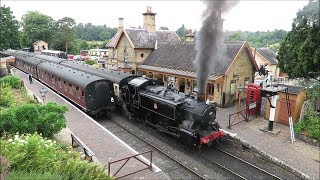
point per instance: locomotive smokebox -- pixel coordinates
(201, 97)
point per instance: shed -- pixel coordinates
(297, 97)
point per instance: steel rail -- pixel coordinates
(153, 146)
(246, 162)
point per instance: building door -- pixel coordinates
(283, 116)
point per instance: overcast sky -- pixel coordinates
(251, 15)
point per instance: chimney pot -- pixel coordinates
(120, 24)
(149, 21)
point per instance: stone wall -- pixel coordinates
(240, 70)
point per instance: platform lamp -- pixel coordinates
(43, 93)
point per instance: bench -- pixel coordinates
(76, 142)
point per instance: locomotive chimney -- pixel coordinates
(201, 97)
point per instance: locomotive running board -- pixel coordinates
(228, 133)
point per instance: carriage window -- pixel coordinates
(70, 88)
(82, 94)
(77, 92)
(65, 85)
(115, 90)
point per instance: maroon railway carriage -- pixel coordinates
(92, 93)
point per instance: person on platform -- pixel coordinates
(30, 78)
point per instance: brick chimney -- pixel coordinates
(190, 36)
(149, 20)
(120, 24)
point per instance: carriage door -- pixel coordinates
(135, 97)
(102, 90)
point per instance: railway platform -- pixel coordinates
(105, 145)
(299, 157)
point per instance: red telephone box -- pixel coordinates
(253, 101)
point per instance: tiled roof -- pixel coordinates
(268, 54)
(292, 89)
(181, 56)
(114, 40)
(174, 71)
(141, 38)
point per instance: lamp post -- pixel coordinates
(43, 93)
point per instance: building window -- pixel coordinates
(246, 81)
(142, 54)
(218, 87)
(233, 87)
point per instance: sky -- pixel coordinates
(247, 15)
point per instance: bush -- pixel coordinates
(6, 98)
(310, 122)
(32, 153)
(309, 125)
(34, 175)
(30, 118)
(13, 81)
(90, 62)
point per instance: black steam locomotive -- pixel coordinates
(187, 118)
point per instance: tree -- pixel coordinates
(36, 26)
(64, 36)
(299, 53)
(182, 32)
(164, 28)
(9, 29)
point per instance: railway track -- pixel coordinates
(228, 162)
(195, 175)
(268, 174)
(235, 165)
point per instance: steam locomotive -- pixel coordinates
(187, 118)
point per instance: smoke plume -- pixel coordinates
(210, 44)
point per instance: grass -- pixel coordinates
(34, 175)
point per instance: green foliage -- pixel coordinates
(64, 36)
(299, 53)
(13, 81)
(36, 26)
(257, 39)
(34, 175)
(26, 97)
(9, 29)
(310, 122)
(182, 32)
(90, 62)
(163, 28)
(30, 118)
(32, 153)
(6, 97)
(90, 32)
